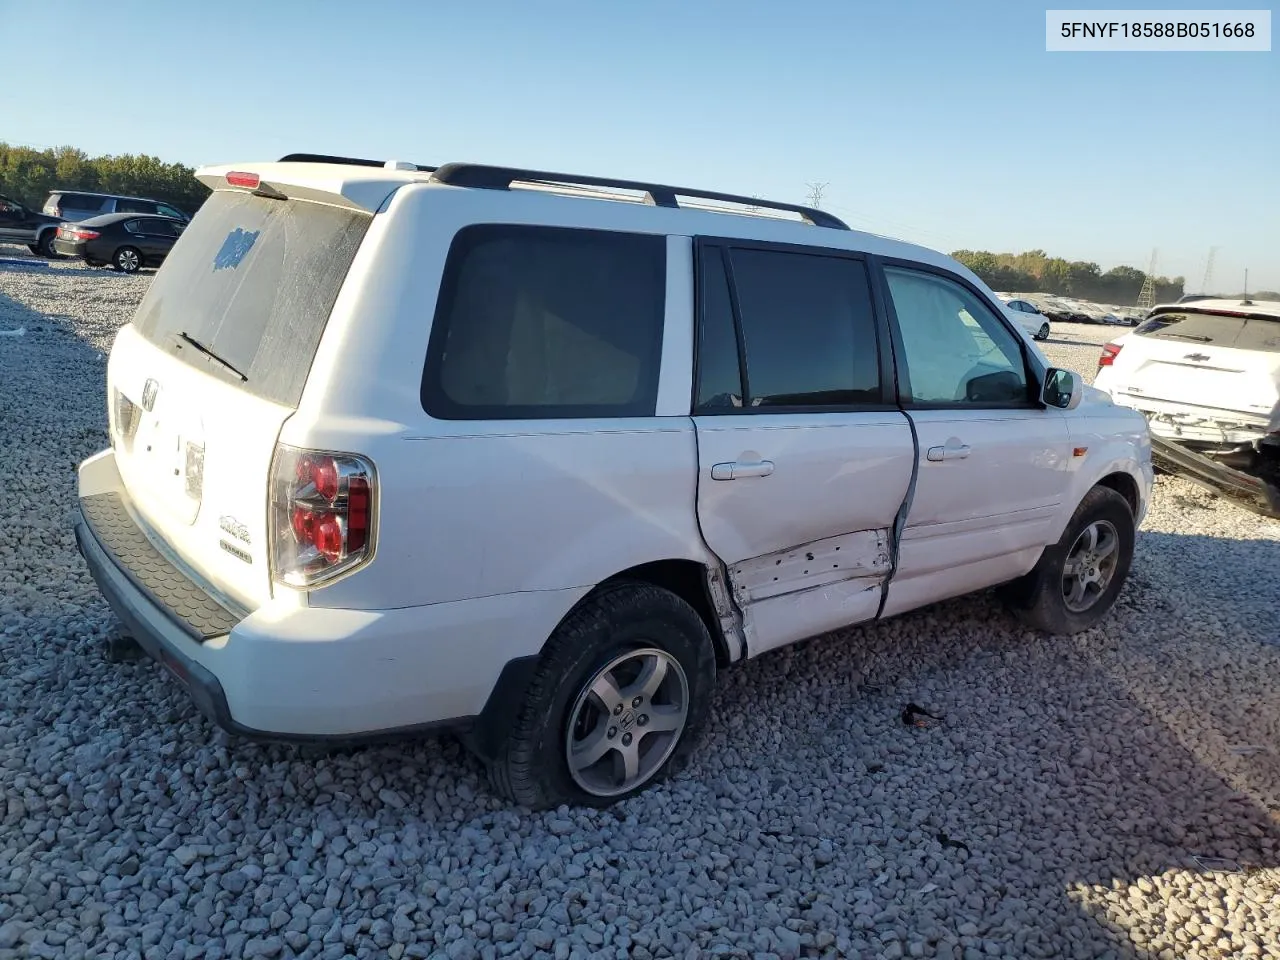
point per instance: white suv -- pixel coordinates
(534, 456)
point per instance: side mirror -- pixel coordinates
(1062, 389)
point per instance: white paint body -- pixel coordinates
(1203, 393)
(488, 532)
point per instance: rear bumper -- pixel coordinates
(1241, 488)
(151, 625)
(292, 672)
(68, 248)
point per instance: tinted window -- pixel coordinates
(808, 329)
(79, 201)
(165, 210)
(539, 322)
(158, 228)
(956, 349)
(1213, 329)
(135, 226)
(135, 206)
(719, 373)
(254, 280)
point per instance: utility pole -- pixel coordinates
(815, 194)
(1246, 282)
(1208, 271)
(1147, 298)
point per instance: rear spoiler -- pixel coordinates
(1243, 489)
(354, 186)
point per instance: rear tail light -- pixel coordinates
(322, 515)
(1109, 354)
(77, 233)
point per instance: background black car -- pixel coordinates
(19, 224)
(125, 240)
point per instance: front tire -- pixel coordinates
(1077, 580)
(615, 704)
(1043, 333)
(127, 260)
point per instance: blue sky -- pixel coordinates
(940, 122)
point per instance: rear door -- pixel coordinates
(213, 363)
(804, 461)
(1196, 373)
(156, 238)
(993, 462)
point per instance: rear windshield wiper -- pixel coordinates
(1183, 336)
(213, 356)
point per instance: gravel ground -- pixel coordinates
(1055, 811)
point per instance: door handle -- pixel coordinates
(952, 451)
(738, 469)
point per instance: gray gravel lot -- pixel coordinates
(1054, 812)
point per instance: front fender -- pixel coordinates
(1110, 441)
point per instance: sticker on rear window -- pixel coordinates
(237, 244)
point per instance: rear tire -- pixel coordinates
(1077, 580)
(127, 260)
(625, 679)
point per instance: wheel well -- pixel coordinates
(1124, 485)
(687, 579)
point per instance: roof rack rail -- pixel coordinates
(486, 177)
(350, 161)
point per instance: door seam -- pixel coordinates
(900, 520)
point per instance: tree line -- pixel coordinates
(1037, 272)
(28, 175)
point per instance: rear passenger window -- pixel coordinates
(808, 329)
(135, 206)
(541, 322)
(78, 201)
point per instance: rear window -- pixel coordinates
(1215, 329)
(254, 280)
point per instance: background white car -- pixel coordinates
(1028, 316)
(1207, 377)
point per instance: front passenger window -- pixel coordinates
(957, 351)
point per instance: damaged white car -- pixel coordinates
(1206, 374)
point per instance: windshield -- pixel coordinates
(1215, 329)
(252, 280)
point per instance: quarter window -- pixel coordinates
(957, 351)
(540, 322)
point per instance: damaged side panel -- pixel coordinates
(810, 589)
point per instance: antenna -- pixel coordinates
(1147, 298)
(1208, 271)
(815, 194)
